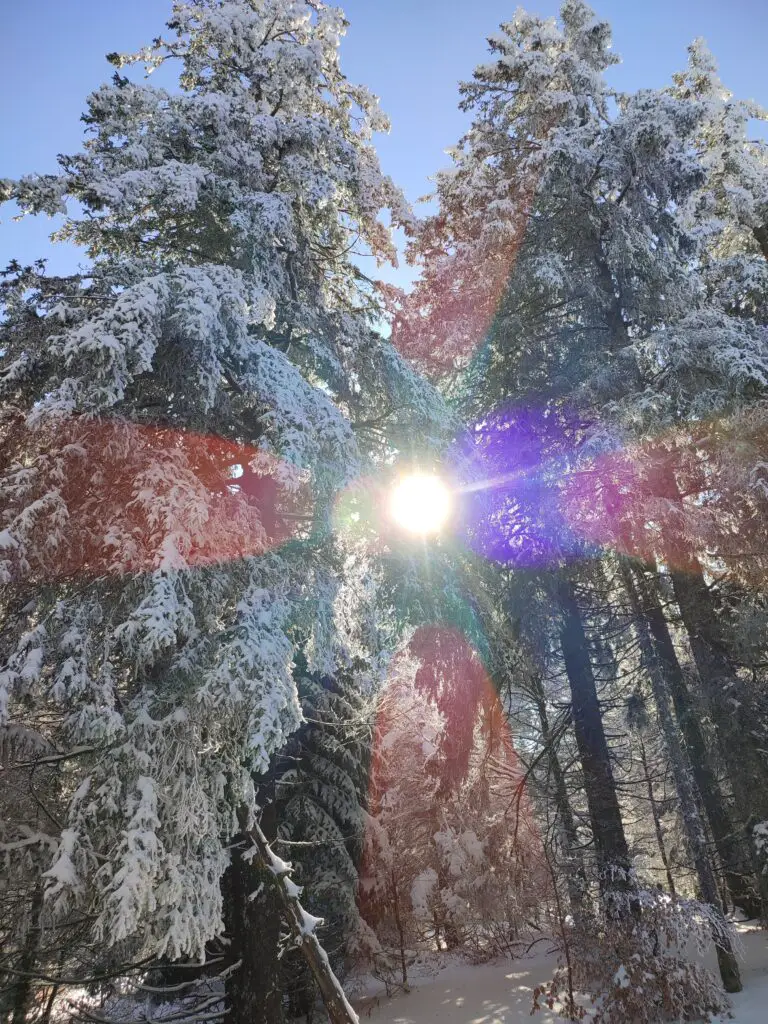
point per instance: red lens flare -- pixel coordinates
(675, 497)
(447, 316)
(450, 834)
(108, 496)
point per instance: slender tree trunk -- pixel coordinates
(24, 987)
(600, 789)
(576, 874)
(45, 1019)
(656, 818)
(55, 989)
(400, 931)
(569, 1009)
(301, 927)
(736, 866)
(692, 824)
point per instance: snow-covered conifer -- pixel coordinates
(177, 421)
(564, 278)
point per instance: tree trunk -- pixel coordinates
(302, 927)
(735, 865)
(602, 802)
(23, 988)
(734, 724)
(576, 874)
(723, 690)
(761, 236)
(689, 809)
(400, 932)
(656, 818)
(54, 991)
(253, 991)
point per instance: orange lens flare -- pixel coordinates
(109, 496)
(677, 495)
(446, 318)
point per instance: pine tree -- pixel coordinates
(321, 796)
(538, 114)
(731, 201)
(177, 420)
(691, 817)
(593, 321)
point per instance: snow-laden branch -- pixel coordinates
(303, 926)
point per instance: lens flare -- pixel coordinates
(134, 498)
(420, 503)
(447, 791)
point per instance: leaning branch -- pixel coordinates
(302, 926)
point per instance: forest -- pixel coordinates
(349, 630)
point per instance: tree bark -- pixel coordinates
(253, 991)
(600, 789)
(656, 818)
(24, 986)
(302, 928)
(747, 768)
(761, 236)
(576, 874)
(736, 867)
(745, 762)
(689, 809)
(723, 690)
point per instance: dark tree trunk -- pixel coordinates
(693, 826)
(602, 802)
(253, 991)
(576, 874)
(724, 692)
(23, 990)
(746, 764)
(301, 927)
(761, 236)
(730, 851)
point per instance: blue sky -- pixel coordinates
(410, 52)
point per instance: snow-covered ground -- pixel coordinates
(500, 993)
(751, 1005)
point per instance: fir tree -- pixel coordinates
(176, 423)
(594, 295)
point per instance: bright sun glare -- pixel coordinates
(420, 503)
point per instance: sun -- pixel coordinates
(420, 503)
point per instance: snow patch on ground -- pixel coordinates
(751, 1005)
(501, 992)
